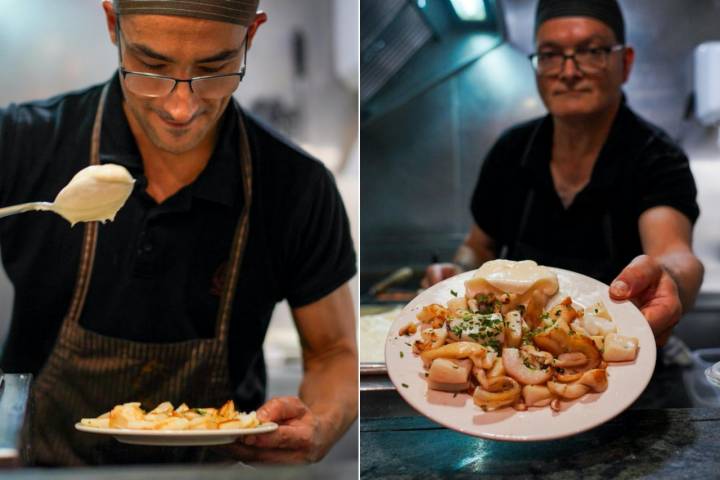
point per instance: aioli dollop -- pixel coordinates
(95, 193)
(512, 277)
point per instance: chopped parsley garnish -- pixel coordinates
(404, 385)
(402, 354)
(453, 293)
(477, 326)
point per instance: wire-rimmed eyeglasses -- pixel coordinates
(587, 60)
(206, 86)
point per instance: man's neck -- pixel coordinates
(167, 172)
(576, 146)
(575, 139)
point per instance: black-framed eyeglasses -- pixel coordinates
(207, 86)
(587, 60)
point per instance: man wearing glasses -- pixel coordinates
(172, 300)
(591, 187)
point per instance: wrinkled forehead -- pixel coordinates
(181, 40)
(573, 31)
(238, 12)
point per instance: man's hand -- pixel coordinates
(298, 439)
(654, 291)
(476, 249)
(438, 272)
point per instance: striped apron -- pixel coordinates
(87, 373)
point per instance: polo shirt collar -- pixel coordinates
(219, 182)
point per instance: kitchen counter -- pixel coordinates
(340, 471)
(652, 444)
(669, 432)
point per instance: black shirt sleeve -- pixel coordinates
(665, 179)
(6, 133)
(321, 256)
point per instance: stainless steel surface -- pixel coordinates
(398, 276)
(13, 405)
(338, 470)
(375, 383)
(423, 155)
(373, 368)
(392, 31)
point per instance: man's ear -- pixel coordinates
(111, 20)
(628, 61)
(260, 18)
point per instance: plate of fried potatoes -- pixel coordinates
(170, 426)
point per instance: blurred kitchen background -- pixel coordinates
(302, 78)
(440, 81)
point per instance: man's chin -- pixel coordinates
(176, 141)
(574, 110)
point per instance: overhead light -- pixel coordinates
(422, 3)
(470, 10)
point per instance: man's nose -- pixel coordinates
(569, 68)
(182, 104)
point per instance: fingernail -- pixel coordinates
(620, 288)
(250, 440)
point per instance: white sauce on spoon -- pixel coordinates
(95, 193)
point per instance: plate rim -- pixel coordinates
(267, 427)
(412, 400)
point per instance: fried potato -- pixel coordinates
(166, 417)
(96, 422)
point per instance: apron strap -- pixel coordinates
(87, 255)
(507, 249)
(222, 324)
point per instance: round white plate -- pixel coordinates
(626, 381)
(178, 438)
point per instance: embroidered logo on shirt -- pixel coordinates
(218, 280)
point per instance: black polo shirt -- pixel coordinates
(515, 201)
(159, 267)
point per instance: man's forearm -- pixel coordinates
(466, 258)
(687, 271)
(469, 258)
(330, 389)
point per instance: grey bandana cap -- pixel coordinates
(606, 11)
(241, 12)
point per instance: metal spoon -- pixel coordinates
(25, 207)
(95, 193)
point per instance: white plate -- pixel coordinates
(177, 438)
(626, 381)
